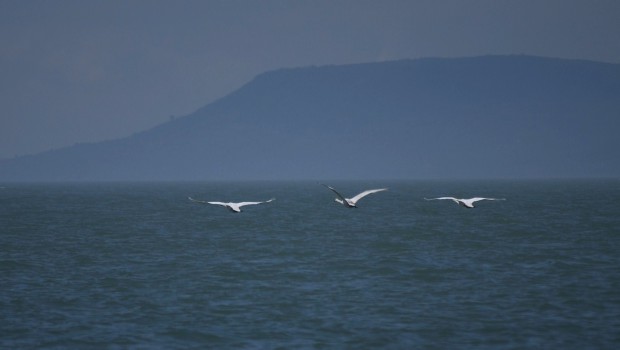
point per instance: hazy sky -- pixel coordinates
(84, 71)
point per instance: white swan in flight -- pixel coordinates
(234, 207)
(467, 203)
(352, 202)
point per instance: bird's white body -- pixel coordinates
(234, 207)
(467, 203)
(352, 202)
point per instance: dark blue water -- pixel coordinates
(138, 266)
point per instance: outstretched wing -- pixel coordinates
(205, 202)
(432, 199)
(475, 199)
(469, 203)
(254, 203)
(336, 192)
(197, 201)
(365, 193)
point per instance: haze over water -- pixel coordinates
(128, 265)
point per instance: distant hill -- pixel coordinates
(479, 117)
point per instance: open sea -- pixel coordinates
(139, 266)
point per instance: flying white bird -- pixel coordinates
(352, 202)
(234, 207)
(467, 203)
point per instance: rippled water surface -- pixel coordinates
(112, 265)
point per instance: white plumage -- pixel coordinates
(235, 207)
(467, 203)
(352, 202)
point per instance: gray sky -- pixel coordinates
(85, 71)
